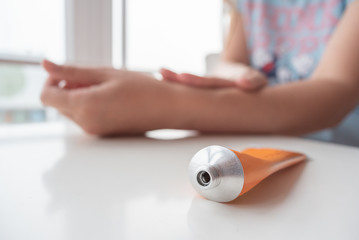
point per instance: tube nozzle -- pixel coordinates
(203, 178)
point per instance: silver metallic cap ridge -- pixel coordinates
(216, 173)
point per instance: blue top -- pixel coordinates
(286, 40)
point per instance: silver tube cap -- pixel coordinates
(216, 173)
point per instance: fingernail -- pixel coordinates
(243, 81)
(182, 78)
(52, 66)
(251, 81)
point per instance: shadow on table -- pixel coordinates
(212, 220)
(272, 190)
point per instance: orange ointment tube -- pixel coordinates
(221, 174)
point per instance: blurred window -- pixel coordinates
(178, 34)
(30, 30)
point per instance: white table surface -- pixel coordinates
(72, 186)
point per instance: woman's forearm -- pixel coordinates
(295, 108)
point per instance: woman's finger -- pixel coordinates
(73, 75)
(194, 80)
(169, 75)
(53, 99)
(56, 97)
(251, 81)
(209, 82)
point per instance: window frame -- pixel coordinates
(80, 47)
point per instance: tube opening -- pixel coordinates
(203, 178)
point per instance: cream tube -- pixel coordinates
(221, 174)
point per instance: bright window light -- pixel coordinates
(176, 34)
(33, 28)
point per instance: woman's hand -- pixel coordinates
(108, 101)
(227, 75)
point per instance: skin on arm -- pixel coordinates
(112, 102)
(117, 101)
(301, 107)
(235, 47)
